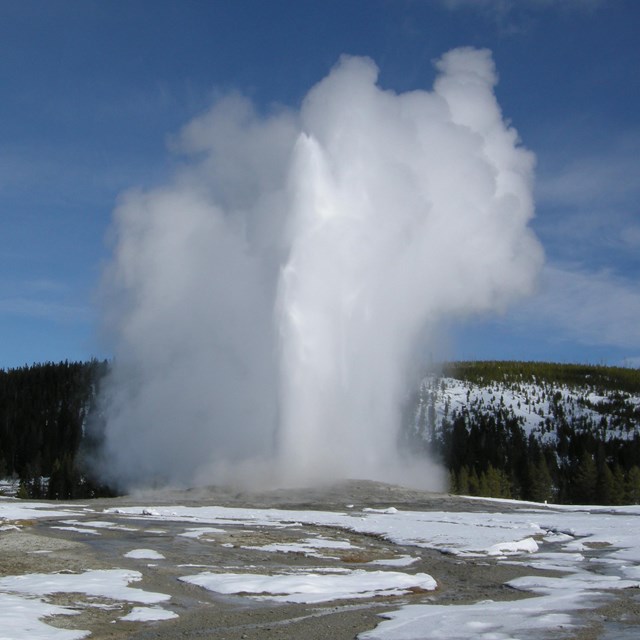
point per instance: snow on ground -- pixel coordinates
(578, 589)
(531, 403)
(148, 614)
(198, 532)
(20, 619)
(9, 486)
(528, 545)
(104, 583)
(314, 586)
(458, 533)
(309, 547)
(99, 524)
(144, 554)
(12, 510)
(21, 611)
(554, 538)
(488, 620)
(519, 535)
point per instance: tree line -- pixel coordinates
(574, 456)
(489, 456)
(44, 409)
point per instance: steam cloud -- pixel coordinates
(266, 304)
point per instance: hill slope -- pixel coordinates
(538, 431)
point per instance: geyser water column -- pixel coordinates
(405, 209)
(322, 246)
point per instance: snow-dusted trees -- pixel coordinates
(585, 448)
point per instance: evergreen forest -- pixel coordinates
(531, 431)
(44, 410)
(534, 431)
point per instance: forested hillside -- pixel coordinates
(536, 431)
(43, 414)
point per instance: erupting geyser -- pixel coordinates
(266, 304)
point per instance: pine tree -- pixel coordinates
(632, 493)
(463, 481)
(23, 490)
(585, 480)
(453, 482)
(474, 483)
(540, 481)
(605, 485)
(618, 496)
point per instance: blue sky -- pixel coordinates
(93, 91)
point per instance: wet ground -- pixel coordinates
(39, 546)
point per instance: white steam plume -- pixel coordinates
(266, 304)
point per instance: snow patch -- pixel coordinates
(105, 583)
(528, 545)
(314, 586)
(148, 614)
(144, 554)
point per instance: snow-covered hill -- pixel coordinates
(534, 431)
(537, 406)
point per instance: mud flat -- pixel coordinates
(319, 563)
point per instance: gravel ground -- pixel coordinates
(38, 547)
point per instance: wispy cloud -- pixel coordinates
(589, 205)
(33, 308)
(597, 308)
(512, 17)
(608, 175)
(48, 176)
(42, 298)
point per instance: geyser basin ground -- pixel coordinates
(321, 563)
